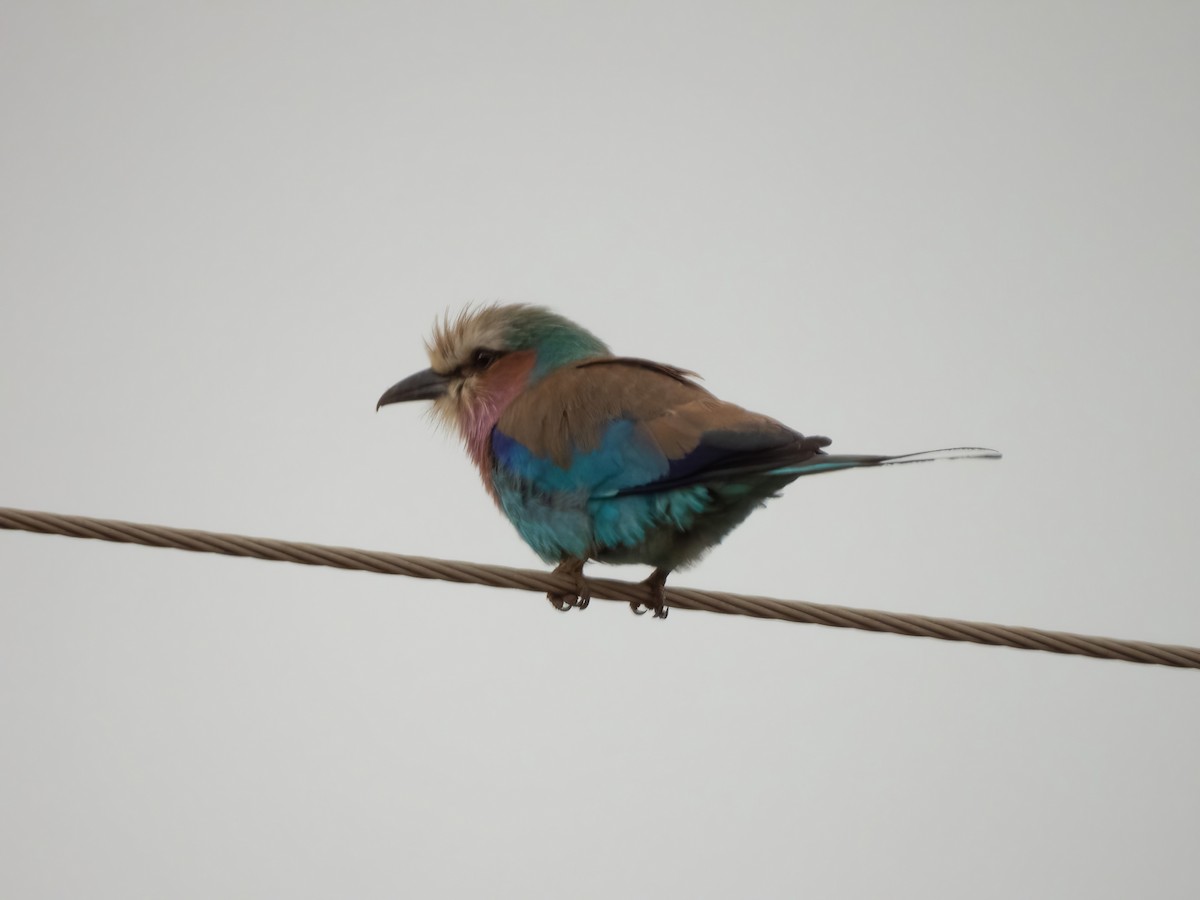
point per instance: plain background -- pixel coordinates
(226, 228)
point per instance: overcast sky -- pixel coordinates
(225, 229)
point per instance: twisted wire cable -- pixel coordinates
(601, 588)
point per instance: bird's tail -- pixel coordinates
(832, 462)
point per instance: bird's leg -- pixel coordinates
(657, 582)
(582, 595)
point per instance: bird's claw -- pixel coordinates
(563, 602)
(582, 595)
(640, 609)
(658, 592)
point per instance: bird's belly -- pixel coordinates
(676, 538)
(668, 529)
(556, 524)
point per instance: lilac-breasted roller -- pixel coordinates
(596, 456)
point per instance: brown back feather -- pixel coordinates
(569, 409)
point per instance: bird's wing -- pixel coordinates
(617, 426)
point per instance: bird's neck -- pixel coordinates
(476, 418)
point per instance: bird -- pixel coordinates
(617, 459)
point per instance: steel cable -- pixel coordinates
(601, 588)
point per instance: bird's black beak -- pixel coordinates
(426, 385)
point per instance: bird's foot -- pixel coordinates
(657, 583)
(582, 595)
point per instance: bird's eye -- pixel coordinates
(482, 358)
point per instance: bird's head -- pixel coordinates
(481, 359)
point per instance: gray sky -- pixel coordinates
(226, 228)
